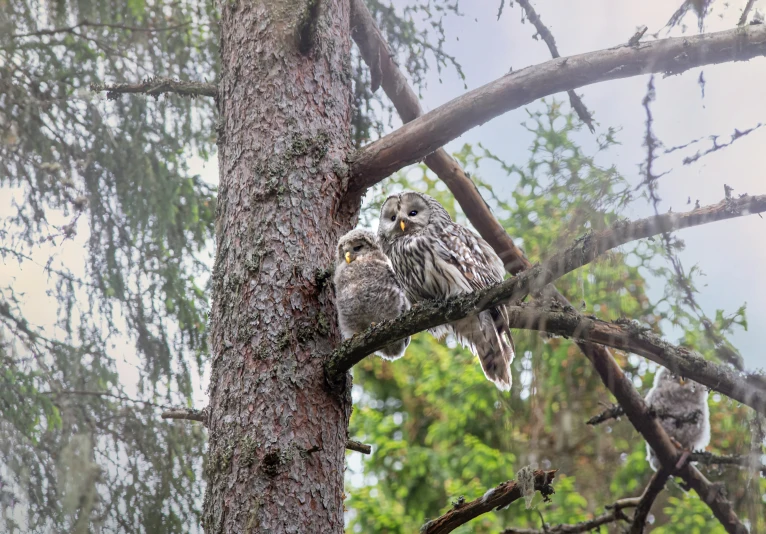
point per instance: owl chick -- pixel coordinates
(435, 258)
(676, 396)
(366, 289)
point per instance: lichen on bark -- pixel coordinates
(284, 121)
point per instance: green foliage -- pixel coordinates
(75, 453)
(440, 430)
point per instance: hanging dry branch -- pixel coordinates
(576, 528)
(422, 136)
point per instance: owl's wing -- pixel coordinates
(480, 266)
(471, 255)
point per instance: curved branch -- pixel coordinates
(157, 86)
(498, 497)
(655, 487)
(416, 139)
(429, 314)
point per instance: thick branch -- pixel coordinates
(498, 497)
(415, 140)
(156, 87)
(747, 388)
(429, 314)
(190, 414)
(545, 34)
(576, 528)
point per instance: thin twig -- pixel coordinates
(576, 528)
(546, 35)
(87, 24)
(745, 12)
(497, 497)
(103, 394)
(613, 412)
(157, 86)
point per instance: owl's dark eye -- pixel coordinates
(358, 248)
(413, 213)
(393, 217)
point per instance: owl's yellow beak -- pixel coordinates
(348, 257)
(401, 225)
(681, 380)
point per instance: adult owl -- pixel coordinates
(366, 289)
(435, 258)
(675, 396)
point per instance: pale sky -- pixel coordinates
(730, 253)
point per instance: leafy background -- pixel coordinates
(106, 231)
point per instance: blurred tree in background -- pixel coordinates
(82, 446)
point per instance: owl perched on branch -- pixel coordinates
(436, 258)
(676, 401)
(366, 289)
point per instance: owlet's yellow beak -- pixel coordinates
(681, 380)
(348, 257)
(401, 224)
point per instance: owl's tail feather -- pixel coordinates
(395, 350)
(488, 336)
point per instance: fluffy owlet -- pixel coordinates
(366, 289)
(673, 395)
(436, 258)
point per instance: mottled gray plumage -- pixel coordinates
(366, 289)
(673, 395)
(434, 258)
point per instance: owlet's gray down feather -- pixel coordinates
(675, 396)
(435, 258)
(366, 289)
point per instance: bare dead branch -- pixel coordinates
(545, 34)
(415, 140)
(745, 12)
(200, 416)
(358, 447)
(576, 528)
(157, 86)
(613, 412)
(185, 414)
(497, 497)
(429, 314)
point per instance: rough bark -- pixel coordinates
(277, 436)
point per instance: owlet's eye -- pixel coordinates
(393, 217)
(413, 213)
(358, 248)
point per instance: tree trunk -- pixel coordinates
(277, 434)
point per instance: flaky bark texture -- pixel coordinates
(277, 435)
